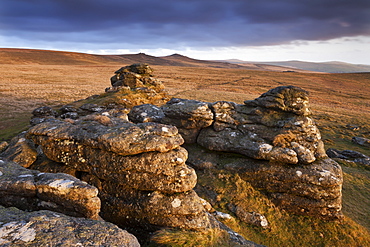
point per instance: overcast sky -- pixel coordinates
(251, 30)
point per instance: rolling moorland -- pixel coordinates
(31, 78)
(327, 67)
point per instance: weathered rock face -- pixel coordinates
(123, 139)
(139, 169)
(285, 98)
(33, 190)
(274, 127)
(135, 76)
(138, 208)
(308, 190)
(189, 116)
(21, 151)
(146, 113)
(314, 189)
(47, 228)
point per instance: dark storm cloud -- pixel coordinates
(170, 23)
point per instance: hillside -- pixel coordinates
(46, 57)
(327, 67)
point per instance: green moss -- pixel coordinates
(13, 125)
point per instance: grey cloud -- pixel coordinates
(169, 23)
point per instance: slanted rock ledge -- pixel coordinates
(33, 190)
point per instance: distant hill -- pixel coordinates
(47, 57)
(327, 67)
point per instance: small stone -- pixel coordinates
(361, 141)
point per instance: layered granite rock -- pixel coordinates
(20, 150)
(135, 76)
(314, 189)
(286, 155)
(139, 169)
(274, 127)
(47, 228)
(189, 116)
(32, 190)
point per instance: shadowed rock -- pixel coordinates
(20, 150)
(46, 228)
(33, 190)
(145, 113)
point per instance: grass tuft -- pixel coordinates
(181, 238)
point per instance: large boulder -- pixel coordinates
(47, 228)
(33, 190)
(136, 76)
(284, 98)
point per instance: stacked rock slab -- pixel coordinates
(46, 228)
(139, 169)
(135, 76)
(189, 116)
(287, 155)
(32, 190)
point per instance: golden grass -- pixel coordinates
(181, 238)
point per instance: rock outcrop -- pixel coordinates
(313, 190)
(274, 127)
(139, 169)
(20, 150)
(47, 228)
(128, 144)
(32, 190)
(275, 130)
